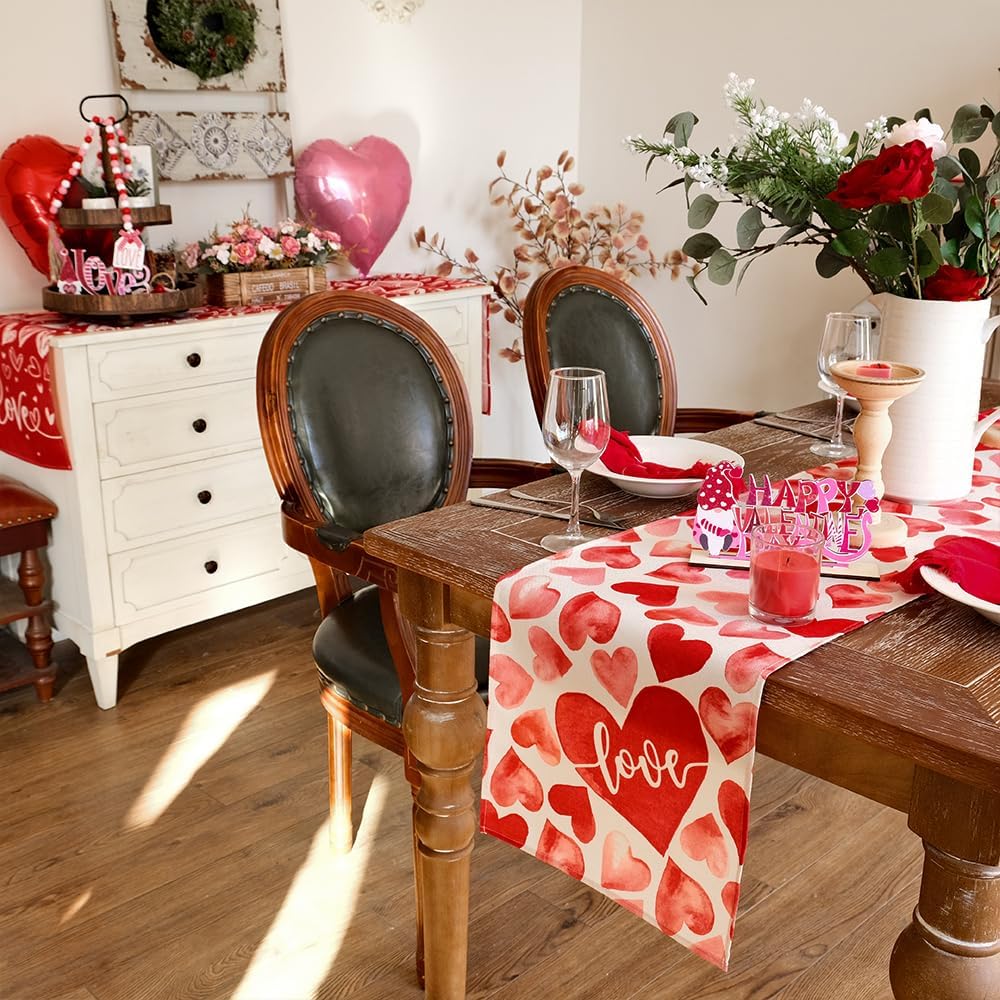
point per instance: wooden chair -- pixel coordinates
(24, 528)
(365, 419)
(584, 318)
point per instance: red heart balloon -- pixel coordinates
(30, 171)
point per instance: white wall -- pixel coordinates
(451, 88)
(644, 60)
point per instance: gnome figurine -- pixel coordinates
(714, 525)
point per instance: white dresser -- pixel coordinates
(169, 515)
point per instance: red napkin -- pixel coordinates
(972, 563)
(622, 457)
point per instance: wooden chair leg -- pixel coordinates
(38, 635)
(417, 880)
(341, 819)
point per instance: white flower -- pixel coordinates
(222, 253)
(288, 228)
(274, 251)
(265, 246)
(737, 90)
(931, 135)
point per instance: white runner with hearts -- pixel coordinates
(624, 690)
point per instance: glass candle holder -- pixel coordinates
(784, 573)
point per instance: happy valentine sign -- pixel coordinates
(731, 505)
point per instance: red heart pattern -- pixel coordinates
(617, 672)
(625, 686)
(655, 810)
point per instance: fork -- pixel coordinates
(596, 515)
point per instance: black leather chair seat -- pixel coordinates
(353, 657)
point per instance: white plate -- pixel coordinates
(936, 579)
(675, 451)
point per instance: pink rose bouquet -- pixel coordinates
(248, 246)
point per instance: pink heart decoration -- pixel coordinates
(617, 672)
(532, 729)
(532, 597)
(733, 727)
(513, 781)
(512, 828)
(588, 615)
(702, 840)
(574, 802)
(550, 662)
(358, 191)
(674, 656)
(513, 682)
(560, 851)
(850, 595)
(681, 901)
(620, 868)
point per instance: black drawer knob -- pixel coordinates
(194, 360)
(200, 426)
(211, 566)
(205, 496)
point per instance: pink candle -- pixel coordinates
(784, 573)
(875, 369)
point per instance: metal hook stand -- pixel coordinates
(94, 97)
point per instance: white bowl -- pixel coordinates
(936, 579)
(675, 451)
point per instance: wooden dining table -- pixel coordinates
(904, 711)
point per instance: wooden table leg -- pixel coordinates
(444, 724)
(38, 635)
(951, 951)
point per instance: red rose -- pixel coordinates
(898, 173)
(954, 284)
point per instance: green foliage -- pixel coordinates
(969, 161)
(701, 211)
(829, 262)
(701, 246)
(968, 124)
(749, 228)
(721, 266)
(208, 37)
(936, 209)
(887, 263)
(680, 127)
(851, 243)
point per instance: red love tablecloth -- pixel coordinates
(29, 416)
(624, 690)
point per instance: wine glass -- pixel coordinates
(576, 431)
(846, 337)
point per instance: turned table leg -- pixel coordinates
(444, 723)
(38, 634)
(951, 950)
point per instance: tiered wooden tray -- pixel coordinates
(122, 309)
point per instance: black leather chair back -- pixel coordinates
(589, 328)
(371, 419)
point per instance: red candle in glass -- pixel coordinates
(784, 573)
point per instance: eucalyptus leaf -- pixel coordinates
(829, 262)
(994, 223)
(749, 228)
(946, 189)
(887, 263)
(836, 216)
(701, 246)
(936, 209)
(697, 291)
(701, 211)
(892, 121)
(721, 267)
(680, 127)
(969, 161)
(974, 217)
(790, 234)
(996, 126)
(922, 113)
(851, 242)
(968, 124)
(948, 168)
(928, 254)
(993, 184)
(950, 253)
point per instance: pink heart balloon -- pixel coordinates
(359, 191)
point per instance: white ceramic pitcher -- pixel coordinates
(935, 430)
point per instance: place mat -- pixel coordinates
(29, 417)
(624, 690)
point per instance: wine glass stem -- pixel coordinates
(838, 422)
(574, 504)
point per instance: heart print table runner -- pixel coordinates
(624, 690)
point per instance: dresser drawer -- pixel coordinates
(449, 320)
(180, 361)
(154, 506)
(149, 432)
(155, 578)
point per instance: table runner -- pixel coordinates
(624, 690)
(29, 416)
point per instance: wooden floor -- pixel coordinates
(174, 848)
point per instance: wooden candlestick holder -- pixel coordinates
(873, 430)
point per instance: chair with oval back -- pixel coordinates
(579, 317)
(365, 419)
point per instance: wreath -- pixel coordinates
(208, 37)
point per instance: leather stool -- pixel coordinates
(24, 528)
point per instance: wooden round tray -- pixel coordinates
(125, 309)
(111, 218)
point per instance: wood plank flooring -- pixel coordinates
(174, 849)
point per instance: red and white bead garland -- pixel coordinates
(121, 163)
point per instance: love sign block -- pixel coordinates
(731, 505)
(83, 275)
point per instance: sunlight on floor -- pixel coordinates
(305, 937)
(76, 906)
(208, 725)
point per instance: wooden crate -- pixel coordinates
(261, 288)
